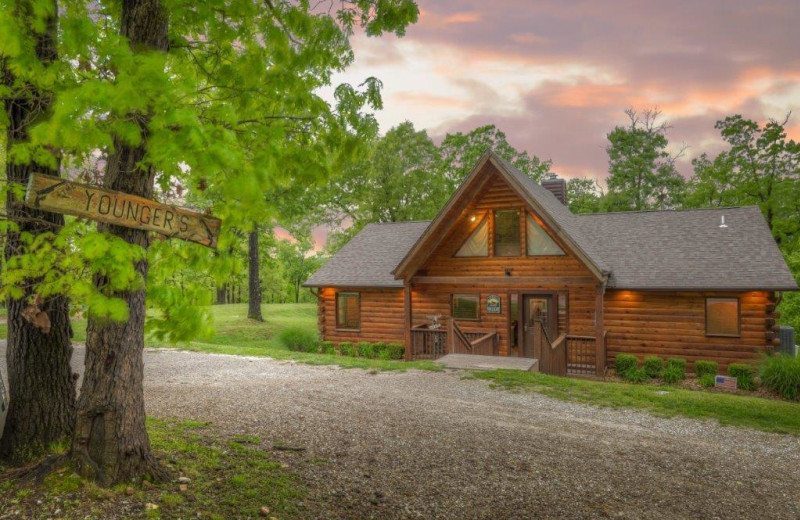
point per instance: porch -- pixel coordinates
(565, 355)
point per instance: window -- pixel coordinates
(478, 242)
(506, 233)
(513, 320)
(539, 242)
(466, 306)
(722, 316)
(348, 311)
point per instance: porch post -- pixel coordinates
(599, 331)
(407, 312)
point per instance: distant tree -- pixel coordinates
(642, 173)
(253, 277)
(584, 195)
(713, 183)
(460, 152)
(297, 263)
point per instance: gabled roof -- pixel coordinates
(648, 250)
(369, 258)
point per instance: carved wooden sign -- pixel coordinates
(114, 207)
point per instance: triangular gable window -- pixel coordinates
(478, 242)
(539, 242)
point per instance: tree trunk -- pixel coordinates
(254, 282)
(111, 443)
(221, 294)
(41, 411)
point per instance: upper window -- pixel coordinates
(348, 311)
(539, 242)
(478, 242)
(466, 306)
(722, 316)
(506, 233)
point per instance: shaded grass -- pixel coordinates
(229, 479)
(665, 401)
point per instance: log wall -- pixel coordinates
(381, 316)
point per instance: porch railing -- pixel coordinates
(432, 343)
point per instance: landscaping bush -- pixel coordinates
(347, 348)
(299, 340)
(702, 368)
(396, 350)
(624, 363)
(781, 374)
(707, 380)
(327, 347)
(365, 349)
(653, 365)
(635, 375)
(744, 375)
(677, 362)
(378, 349)
(673, 374)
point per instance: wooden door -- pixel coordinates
(537, 307)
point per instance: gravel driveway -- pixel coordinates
(432, 445)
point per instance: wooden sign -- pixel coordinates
(114, 207)
(493, 304)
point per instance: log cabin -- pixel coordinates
(506, 269)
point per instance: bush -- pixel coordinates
(707, 380)
(635, 375)
(346, 348)
(299, 340)
(653, 365)
(673, 374)
(781, 373)
(677, 362)
(327, 347)
(378, 349)
(365, 349)
(396, 350)
(702, 368)
(624, 363)
(744, 375)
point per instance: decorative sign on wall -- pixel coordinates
(493, 304)
(728, 383)
(114, 207)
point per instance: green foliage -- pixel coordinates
(653, 365)
(299, 340)
(624, 363)
(347, 348)
(327, 347)
(679, 364)
(744, 374)
(396, 350)
(707, 380)
(781, 374)
(583, 195)
(635, 375)
(702, 368)
(366, 350)
(673, 374)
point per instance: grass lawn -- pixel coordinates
(235, 334)
(735, 410)
(228, 478)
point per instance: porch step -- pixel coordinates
(476, 362)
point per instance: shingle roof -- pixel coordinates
(680, 250)
(369, 258)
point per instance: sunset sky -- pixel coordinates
(556, 75)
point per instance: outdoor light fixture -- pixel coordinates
(472, 218)
(722, 223)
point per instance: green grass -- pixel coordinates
(229, 479)
(734, 410)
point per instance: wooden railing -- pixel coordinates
(428, 343)
(484, 345)
(432, 343)
(554, 352)
(581, 355)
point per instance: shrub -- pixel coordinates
(744, 375)
(707, 380)
(673, 374)
(677, 362)
(624, 363)
(396, 350)
(702, 368)
(781, 373)
(327, 347)
(635, 375)
(653, 365)
(378, 349)
(365, 349)
(299, 340)
(346, 348)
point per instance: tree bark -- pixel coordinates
(221, 295)
(254, 282)
(41, 411)
(111, 443)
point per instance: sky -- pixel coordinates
(557, 75)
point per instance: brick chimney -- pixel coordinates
(556, 186)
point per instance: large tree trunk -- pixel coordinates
(221, 295)
(254, 282)
(41, 389)
(111, 443)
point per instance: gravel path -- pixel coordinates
(425, 445)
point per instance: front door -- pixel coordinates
(536, 307)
